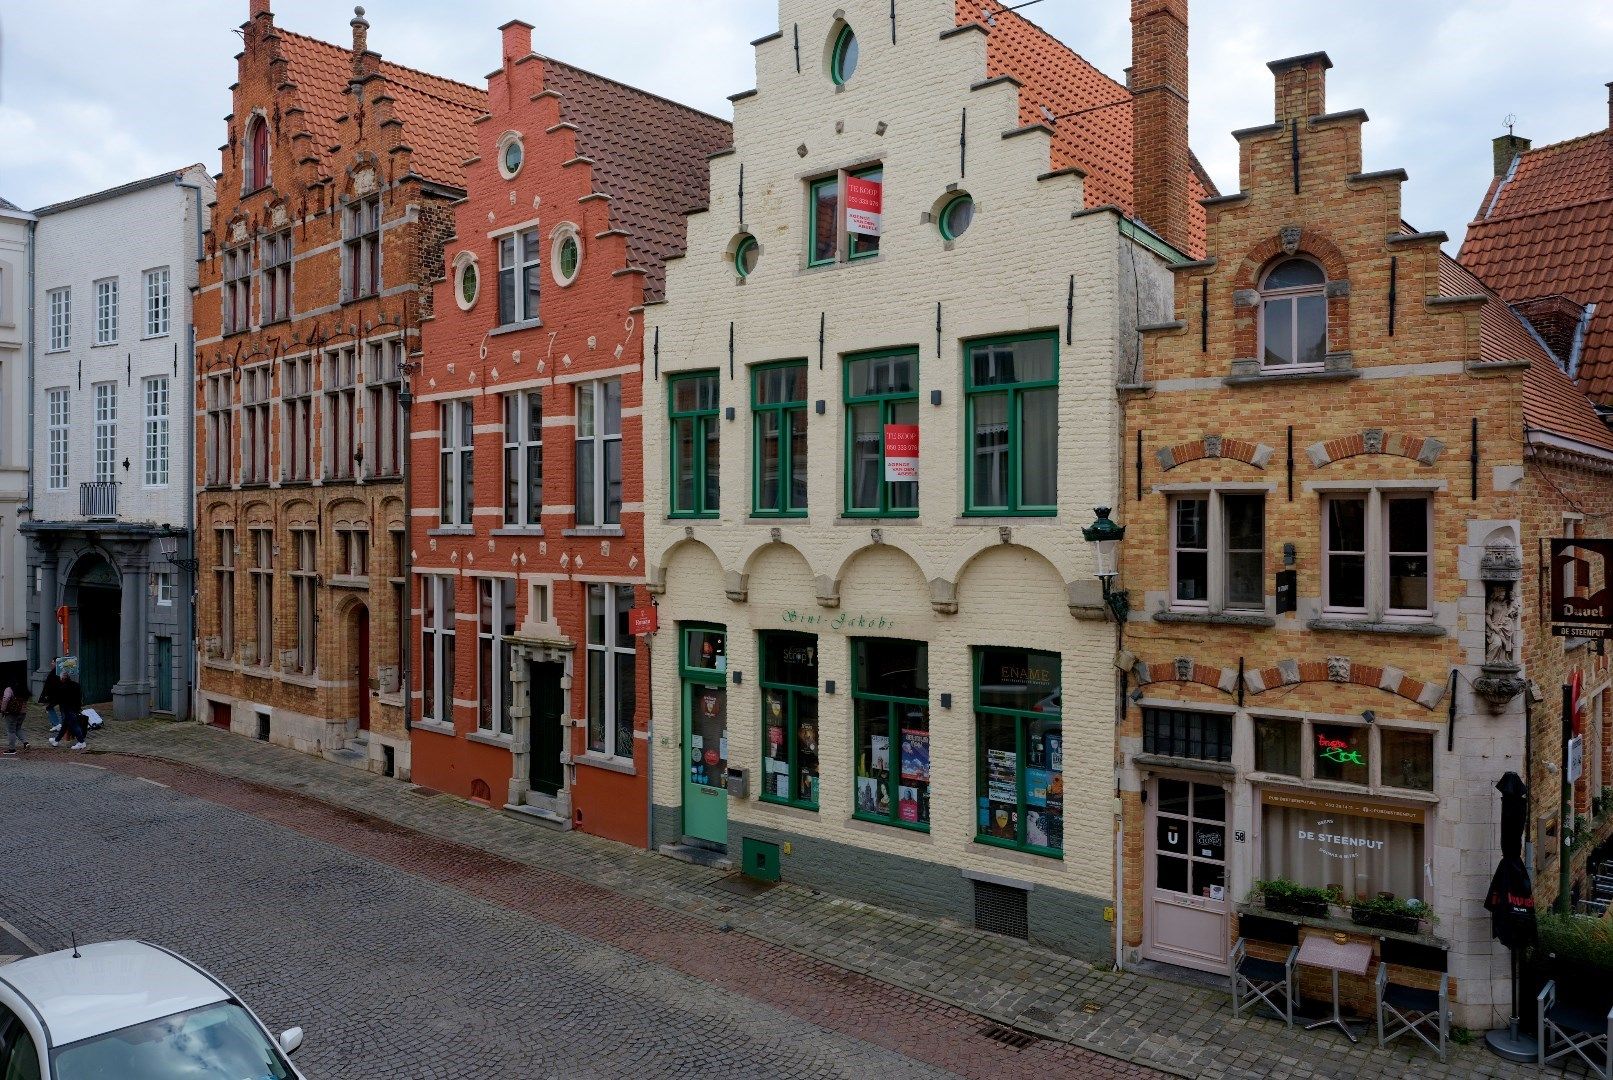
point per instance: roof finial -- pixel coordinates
(361, 27)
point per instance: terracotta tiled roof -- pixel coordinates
(1547, 229)
(1051, 74)
(650, 156)
(436, 112)
(1551, 401)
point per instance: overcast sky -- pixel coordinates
(97, 92)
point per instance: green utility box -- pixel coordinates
(761, 859)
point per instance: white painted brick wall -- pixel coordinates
(1009, 273)
(14, 330)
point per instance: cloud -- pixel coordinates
(79, 142)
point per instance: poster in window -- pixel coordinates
(1055, 751)
(907, 803)
(881, 753)
(901, 452)
(864, 205)
(1036, 828)
(998, 819)
(916, 755)
(1001, 766)
(1037, 782)
(868, 792)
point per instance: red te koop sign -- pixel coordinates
(864, 204)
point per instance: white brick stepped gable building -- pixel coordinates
(113, 384)
(16, 239)
(1005, 590)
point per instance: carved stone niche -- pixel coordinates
(1500, 568)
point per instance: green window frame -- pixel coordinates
(789, 682)
(878, 393)
(693, 437)
(1011, 387)
(1019, 750)
(945, 223)
(843, 59)
(746, 254)
(823, 221)
(779, 417)
(891, 716)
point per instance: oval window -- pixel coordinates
(843, 63)
(746, 256)
(565, 253)
(510, 160)
(957, 216)
(468, 284)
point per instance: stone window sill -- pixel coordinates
(1259, 377)
(595, 530)
(510, 328)
(1368, 626)
(294, 678)
(624, 766)
(452, 530)
(504, 742)
(1215, 618)
(1162, 761)
(348, 581)
(518, 530)
(436, 727)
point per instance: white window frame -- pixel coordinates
(1375, 784)
(1376, 537)
(106, 311)
(257, 390)
(437, 646)
(383, 409)
(1217, 552)
(224, 575)
(262, 573)
(361, 248)
(305, 582)
(165, 588)
(156, 292)
(518, 443)
(340, 406)
(525, 271)
(61, 319)
(158, 414)
(274, 273)
(1291, 297)
(605, 653)
(58, 420)
(106, 432)
(456, 462)
(353, 549)
(297, 419)
(493, 596)
(591, 417)
(218, 395)
(236, 289)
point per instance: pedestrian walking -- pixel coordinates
(71, 699)
(48, 695)
(14, 707)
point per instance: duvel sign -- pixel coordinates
(1580, 602)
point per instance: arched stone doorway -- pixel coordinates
(94, 599)
(357, 623)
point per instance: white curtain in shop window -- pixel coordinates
(1362, 855)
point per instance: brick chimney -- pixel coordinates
(1505, 148)
(1301, 86)
(258, 7)
(1161, 166)
(517, 39)
(1610, 106)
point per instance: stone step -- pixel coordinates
(356, 757)
(700, 856)
(537, 814)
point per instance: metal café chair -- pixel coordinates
(1257, 981)
(1574, 1030)
(1414, 1010)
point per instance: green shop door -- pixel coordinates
(704, 663)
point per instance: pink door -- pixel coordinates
(1185, 898)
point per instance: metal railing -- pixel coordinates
(98, 499)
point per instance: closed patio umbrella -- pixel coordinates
(1511, 904)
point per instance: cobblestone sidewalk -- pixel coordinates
(1171, 1027)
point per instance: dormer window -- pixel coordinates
(257, 153)
(1293, 316)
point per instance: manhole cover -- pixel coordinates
(1012, 1038)
(740, 885)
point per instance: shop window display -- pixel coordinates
(890, 694)
(1019, 749)
(790, 718)
(1341, 752)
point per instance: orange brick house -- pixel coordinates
(339, 170)
(527, 489)
(1340, 457)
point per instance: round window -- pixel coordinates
(957, 216)
(746, 256)
(565, 254)
(513, 155)
(843, 63)
(467, 284)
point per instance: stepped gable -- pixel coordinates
(1052, 74)
(649, 155)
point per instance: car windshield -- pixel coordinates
(214, 1042)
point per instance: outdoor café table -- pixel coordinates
(1321, 951)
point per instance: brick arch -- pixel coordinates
(1313, 244)
(1215, 446)
(1424, 449)
(1256, 681)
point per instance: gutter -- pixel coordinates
(33, 337)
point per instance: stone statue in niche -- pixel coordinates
(1500, 568)
(1500, 623)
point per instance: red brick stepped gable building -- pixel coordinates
(1336, 621)
(1543, 239)
(339, 172)
(527, 491)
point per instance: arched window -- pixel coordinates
(1293, 315)
(257, 155)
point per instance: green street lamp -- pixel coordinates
(1105, 537)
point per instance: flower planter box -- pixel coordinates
(1297, 905)
(1386, 920)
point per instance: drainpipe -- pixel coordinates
(406, 617)
(27, 508)
(192, 684)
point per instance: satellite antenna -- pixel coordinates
(1509, 120)
(73, 937)
(991, 16)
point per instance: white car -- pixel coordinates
(128, 1010)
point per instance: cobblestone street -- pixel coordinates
(411, 933)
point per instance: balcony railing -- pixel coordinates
(98, 500)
